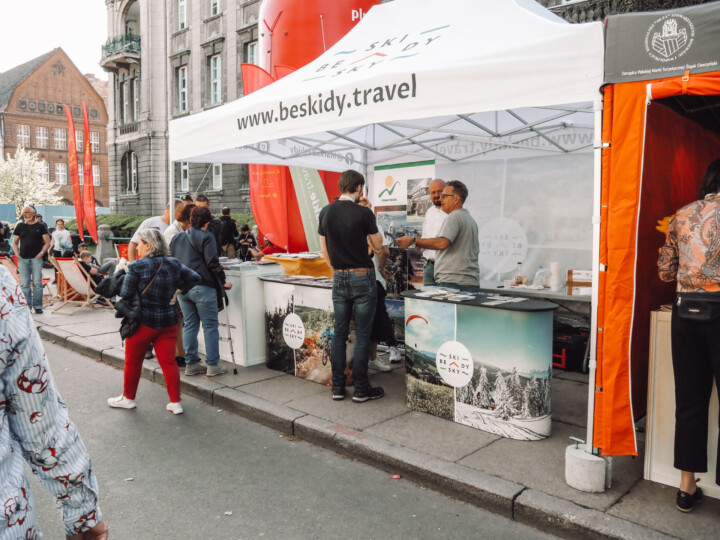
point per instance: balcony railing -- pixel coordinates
(127, 43)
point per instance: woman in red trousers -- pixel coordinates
(157, 277)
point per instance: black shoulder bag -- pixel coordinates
(698, 307)
(130, 323)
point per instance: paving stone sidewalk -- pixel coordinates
(521, 480)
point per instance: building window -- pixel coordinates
(45, 170)
(251, 53)
(136, 98)
(60, 139)
(125, 103)
(217, 176)
(81, 174)
(184, 176)
(95, 141)
(215, 80)
(182, 15)
(182, 89)
(129, 166)
(61, 173)
(23, 135)
(214, 7)
(41, 137)
(96, 175)
(79, 140)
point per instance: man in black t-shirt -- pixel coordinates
(31, 243)
(345, 228)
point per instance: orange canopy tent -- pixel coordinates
(658, 136)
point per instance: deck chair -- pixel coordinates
(81, 284)
(48, 297)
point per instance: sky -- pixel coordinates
(30, 28)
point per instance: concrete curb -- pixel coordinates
(514, 501)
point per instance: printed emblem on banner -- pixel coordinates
(454, 363)
(669, 37)
(293, 331)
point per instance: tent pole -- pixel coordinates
(597, 186)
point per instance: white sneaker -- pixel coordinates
(394, 355)
(175, 408)
(379, 365)
(121, 402)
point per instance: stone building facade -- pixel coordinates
(32, 116)
(172, 58)
(168, 59)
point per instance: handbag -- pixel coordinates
(698, 307)
(130, 323)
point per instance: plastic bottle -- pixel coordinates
(540, 277)
(518, 275)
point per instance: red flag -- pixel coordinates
(74, 177)
(89, 187)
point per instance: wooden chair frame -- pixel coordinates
(87, 295)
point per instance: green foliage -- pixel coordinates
(122, 226)
(242, 219)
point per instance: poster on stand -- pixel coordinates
(299, 329)
(484, 368)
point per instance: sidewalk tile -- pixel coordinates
(433, 435)
(541, 465)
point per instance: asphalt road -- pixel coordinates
(208, 474)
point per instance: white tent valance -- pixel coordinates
(413, 82)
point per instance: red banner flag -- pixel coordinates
(74, 176)
(89, 187)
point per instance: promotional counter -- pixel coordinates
(660, 439)
(247, 323)
(299, 325)
(483, 362)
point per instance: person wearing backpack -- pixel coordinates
(228, 233)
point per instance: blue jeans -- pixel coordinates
(461, 288)
(199, 305)
(31, 273)
(352, 292)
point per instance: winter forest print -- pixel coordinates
(509, 392)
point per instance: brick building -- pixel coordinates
(32, 116)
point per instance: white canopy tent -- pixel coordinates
(414, 81)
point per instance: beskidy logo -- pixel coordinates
(669, 37)
(293, 331)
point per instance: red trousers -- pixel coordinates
(163, 340)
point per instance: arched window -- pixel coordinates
(129, 166)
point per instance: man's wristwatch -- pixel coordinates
(412, 244)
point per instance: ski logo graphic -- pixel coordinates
(389, 190)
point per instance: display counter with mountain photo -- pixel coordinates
(481, 363)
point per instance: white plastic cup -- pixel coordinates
(508, 283)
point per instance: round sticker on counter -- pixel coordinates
(454, 363)
(293, 331)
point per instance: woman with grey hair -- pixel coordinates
(155, 276)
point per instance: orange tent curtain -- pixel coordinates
(622, 168)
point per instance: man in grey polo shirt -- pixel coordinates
(456, 263)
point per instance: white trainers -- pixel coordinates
(174, 408)
(121, 402)
(213, 371)
(394, 355)
(379, 365)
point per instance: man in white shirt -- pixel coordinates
(156, 222)
(434, 218)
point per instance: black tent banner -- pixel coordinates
(660, 44)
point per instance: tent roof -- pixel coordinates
(408, 82)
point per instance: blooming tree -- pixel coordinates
(21, 181)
